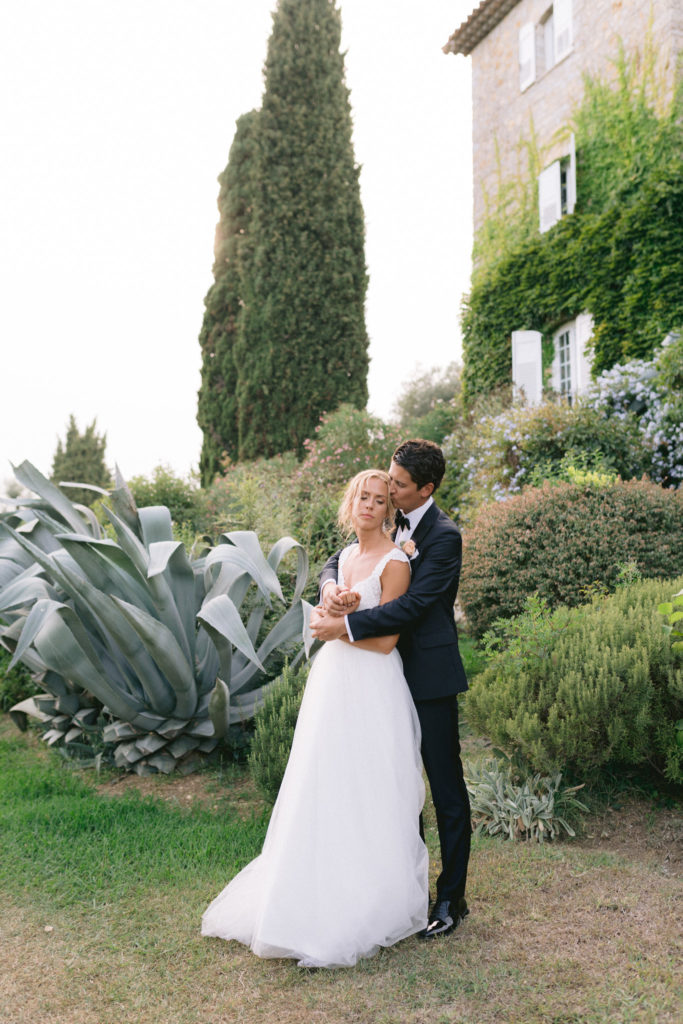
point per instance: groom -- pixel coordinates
(429, 648)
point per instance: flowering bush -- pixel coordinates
(503, 451)
(649, 391)
(629, 423)
(346, 442)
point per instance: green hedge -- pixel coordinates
(561, 538)
(587, 687)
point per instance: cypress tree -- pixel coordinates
(217, 409)
(302, 345)
(81, 459)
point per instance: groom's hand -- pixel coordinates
(339, 600)
(327, 627)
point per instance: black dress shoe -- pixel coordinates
(445, 917)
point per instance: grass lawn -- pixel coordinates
(103, 882)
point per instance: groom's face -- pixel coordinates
(405, 494)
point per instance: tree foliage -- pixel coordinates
(217, 407)
(284, 339)
(80, 459)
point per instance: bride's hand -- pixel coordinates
(340, 600)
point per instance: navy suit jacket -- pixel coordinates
(423, 616)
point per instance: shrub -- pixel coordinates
(504, 805)
(346, 442)
(181, 496)
(587, 687)
(561, 538)
(256, 496)
(16, 683)
(274, 729)
(502, 450)
(649, 393)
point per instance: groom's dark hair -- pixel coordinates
(423, 460)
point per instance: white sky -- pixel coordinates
(116, 116)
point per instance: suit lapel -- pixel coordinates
(425, 524)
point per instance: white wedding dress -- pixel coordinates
(343, 869)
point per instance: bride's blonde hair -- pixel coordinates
(352, 491)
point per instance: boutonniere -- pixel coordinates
(408, 548)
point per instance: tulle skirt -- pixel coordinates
(343, 869)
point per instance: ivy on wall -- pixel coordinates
(618, 256)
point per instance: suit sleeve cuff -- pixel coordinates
(348, 628)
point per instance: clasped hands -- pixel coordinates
(327, 619)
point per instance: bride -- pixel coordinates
(343, 869)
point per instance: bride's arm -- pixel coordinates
(395, 579)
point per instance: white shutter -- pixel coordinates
(571, 175)
(549, 42)
(549, 196)
(527, 367)
(527, 55)
(563, 31)
(584, 359)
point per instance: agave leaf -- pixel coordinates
(220, 578)
(287, 628)
(129, 541)
(106, 566)
(242, 546)
(30, 477)
(115, 624)
(65, 647)
(309, 639)
(25, 589)
(278, 552)
(155, 524)
(163, 647)
(84, 487)
(32, 626)
(219, 708)
(255, 622)
(206, 660)
(20, 711)
(157, 596)
(245, 705)
(123, 502)
(90, 516)
(169, 558)
(222, 621)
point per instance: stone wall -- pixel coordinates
(503, 115)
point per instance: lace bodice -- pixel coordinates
(370, 589)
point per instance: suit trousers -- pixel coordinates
(441, 758)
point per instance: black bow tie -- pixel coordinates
(401, 521)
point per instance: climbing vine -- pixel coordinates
(618, 256)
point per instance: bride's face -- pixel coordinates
(370, 506)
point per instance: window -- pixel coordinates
(571, 366)
(563, 346)
(570, 373)
(557, 189)
(544, 44)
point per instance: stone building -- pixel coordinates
(528, 62)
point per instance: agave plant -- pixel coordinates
(136, 645)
